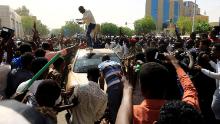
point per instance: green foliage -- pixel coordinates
(27, 21)
(109, 29)
(202, 26)
(42, 29)
(184, 24)
(22, 11)
(55, 31)
(127, 31)
(27, 24)
(71, 28)
(144, 25)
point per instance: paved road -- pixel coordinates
(61, 118)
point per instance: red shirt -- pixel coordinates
(148, 111)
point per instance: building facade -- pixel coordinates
(189, 9)
(9, 18)
(163, 11)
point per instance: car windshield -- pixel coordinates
(90, 60)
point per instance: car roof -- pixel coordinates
(95, 51)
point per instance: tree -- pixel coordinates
(184, 24)
(55, 32)
(42, 29)
(27, 21)
(71, 28)
(127, 31)
(27, 24)
(144, 25)
(23, 11)
(109, 29)
(202, 26)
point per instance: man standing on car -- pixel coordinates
(109, 71)
(89, 20)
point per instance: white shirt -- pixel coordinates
(88, 17)
(92, 103)
(107, 46)
(125, 49)
(32, 89)
(213, 74)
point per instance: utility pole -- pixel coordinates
(194, 13)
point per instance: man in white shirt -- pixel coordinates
(215, 75)
(92, 100)
(89, 20)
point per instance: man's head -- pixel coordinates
(40, 52)
(216, 51)
(179, 112)
(153, 79)
(81, 9)
(46, 46)
(26, 60)
(105, 58)
(93, 74)
(47, 93)
(38, 64)
(150, 54)
(59, 64)
(25, 48)
(204, 44)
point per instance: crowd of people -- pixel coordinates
(161, 80)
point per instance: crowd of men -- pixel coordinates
(161, 80)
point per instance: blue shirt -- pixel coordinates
(110, 69)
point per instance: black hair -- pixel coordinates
(38, 63)
(217, 46)
(46, 46)
(153, 78)
(25, 48)
(179, 112)
(150, 54)
(105, 58)
(206, 42)
(140, 56)
(58, 62)
(93, 74)
(81, 7)
(40, 52)
(26, 59)
(47, 93)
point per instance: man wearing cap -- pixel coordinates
(89, 20)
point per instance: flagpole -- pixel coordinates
(194, 13)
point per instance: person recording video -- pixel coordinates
(7, 44)
(89, 20)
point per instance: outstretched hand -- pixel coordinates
(125, 82)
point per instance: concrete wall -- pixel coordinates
(9, 18)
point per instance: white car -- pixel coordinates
(86, 59)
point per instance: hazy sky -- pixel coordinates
(54, 13)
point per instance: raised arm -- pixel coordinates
(212, 64)
(190, 94)
(125, 111)
(211, 74)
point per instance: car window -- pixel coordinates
(91, 60)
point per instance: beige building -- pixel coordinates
(162, 11)
(202, 18)
(9, 18)
(189, 9)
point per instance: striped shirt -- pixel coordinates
(110, 69)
